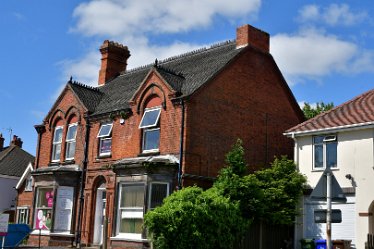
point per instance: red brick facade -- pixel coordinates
(248, 99)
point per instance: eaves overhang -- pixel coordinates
(343, 128)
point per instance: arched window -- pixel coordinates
(151, 126)
(71, 138)
(57, 141)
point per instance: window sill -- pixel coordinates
(323, 169)
(124, 238)
(149, 153)
(41, 232)
(69, 161)
(104, 156)
(62, 234)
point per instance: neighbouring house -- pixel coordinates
(108, 154)
(342, 140)
(13, 162)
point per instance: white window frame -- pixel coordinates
(147, 110)
(28, 183)
(150, 192)
(137, 215)
(25, 215)
(58, 143)
(36, 208)
(103, 137)
(70, 141)
(144, 140)
(330, 138)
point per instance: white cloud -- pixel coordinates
(131, 22)
(312, 54)
(128, 17)
(333, 15)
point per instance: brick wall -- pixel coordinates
(249, 101)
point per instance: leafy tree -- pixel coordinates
(282, 187)
(193, 218)
(311, 112)
(216, 218)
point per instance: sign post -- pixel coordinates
(4, 220)
(328, 190)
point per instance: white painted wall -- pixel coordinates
(356, 157)
(8, 193)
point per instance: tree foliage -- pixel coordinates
(311, 112)
(193, 218)
(217, 217)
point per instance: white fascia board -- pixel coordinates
(351, 127)
(24, 175)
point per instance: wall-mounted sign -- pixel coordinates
(4, 220)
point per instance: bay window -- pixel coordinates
(132, 203)
(71, 141)
(44, 208)
(56, 144)
(325, 151)
(105, 139)
(151, 129)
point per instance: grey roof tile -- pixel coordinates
(14, 161)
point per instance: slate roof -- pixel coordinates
(358, 111)
(14, 161)
(90, 96)
(184, 73)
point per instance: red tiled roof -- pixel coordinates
(359, 110)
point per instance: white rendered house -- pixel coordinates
(341, 139)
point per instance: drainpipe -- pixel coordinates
(181, 147)
(82, 184)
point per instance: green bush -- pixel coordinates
(196, 219)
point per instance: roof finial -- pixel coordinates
(156, 63)
(71, 79)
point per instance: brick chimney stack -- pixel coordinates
(16, 141)
(113, 60)
(1, 142)
(249, 35)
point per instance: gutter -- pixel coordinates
(350, 127)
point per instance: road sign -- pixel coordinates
(319, 193)
(320, 215)
(4, 220)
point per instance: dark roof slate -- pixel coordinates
(359, 110)
(90, 96)
(14, 161)
(185, 74)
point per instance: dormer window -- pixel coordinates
(151, 129)
(57, 140)
(105, 139)
(71, 141)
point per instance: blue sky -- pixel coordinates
(325, 49)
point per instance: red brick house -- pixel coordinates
(142, 133)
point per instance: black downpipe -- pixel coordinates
(181, 148)
(82, 184)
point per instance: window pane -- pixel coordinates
(105, 130)
(150, 118)
(151, 139)
(72, 132)
(318, 156)
(131, 225)
(331, 151)
(58, 135)
(158, 193)
(318, 140)
(70, 150)
(45, 197)
(132, 196)
(43, 219)
(56, 152)
(105, 146)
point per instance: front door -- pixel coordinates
(99, 215)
